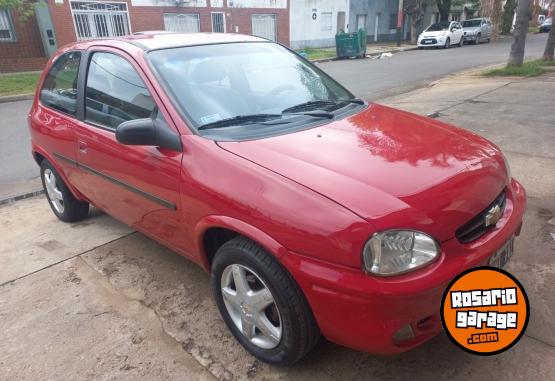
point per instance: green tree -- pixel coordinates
(444, 7)
(24, 8)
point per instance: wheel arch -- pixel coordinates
(213, 231)
(40, 155)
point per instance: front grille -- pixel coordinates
(431, 41)
(476, 227)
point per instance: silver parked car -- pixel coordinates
(477, 30)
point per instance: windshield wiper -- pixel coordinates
(311, 105)
(238, 120)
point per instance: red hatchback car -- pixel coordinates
(315, 212)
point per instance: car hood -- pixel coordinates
(471, 30)
(392, 168)
(432, 34)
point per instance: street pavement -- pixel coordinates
(368, 78)
(380, 78)
(95, 300)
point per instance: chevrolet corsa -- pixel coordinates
(315, 212)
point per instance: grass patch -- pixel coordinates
(12, 84)
(317, 53)
(528, 69)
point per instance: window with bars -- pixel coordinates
(182, 22)
(218, 22)
(99, 19)
(7, 32)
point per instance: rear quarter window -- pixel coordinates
(59, 90)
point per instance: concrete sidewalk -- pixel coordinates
(95, 300)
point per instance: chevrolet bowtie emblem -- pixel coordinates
(493, 215)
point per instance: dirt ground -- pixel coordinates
(95, 300)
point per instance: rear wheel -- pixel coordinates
(261, 303)
(64, 205)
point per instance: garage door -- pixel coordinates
(264, 26)
(182, 22)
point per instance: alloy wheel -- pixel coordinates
(52, 190)
(251, 306)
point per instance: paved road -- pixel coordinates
(369, 79)
(376, 79)
(18, 171)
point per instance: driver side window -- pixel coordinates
(114, 92)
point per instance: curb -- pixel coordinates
(12, 199)
(15, 98)
(368, 55)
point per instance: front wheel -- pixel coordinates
(447, 43)
(64, 205)
(261, 303)
(461, 42)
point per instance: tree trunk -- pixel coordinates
(413, 36)
(550, 45)
(496, 19)
(516, 57)
(443, 7)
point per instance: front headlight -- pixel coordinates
(397, 251)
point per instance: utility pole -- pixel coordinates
(399, 22)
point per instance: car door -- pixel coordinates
(488, 29)
(138, 185)
(458, 32)
(53, 117)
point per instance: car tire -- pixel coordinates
(293, 331)
(64, 205)
(478, 38)
(447, 43)
(461, 42)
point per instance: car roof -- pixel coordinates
(151, 40)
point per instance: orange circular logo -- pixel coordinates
(485, 310)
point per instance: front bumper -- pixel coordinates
(435, 42)
(363, 312)
(470, 37)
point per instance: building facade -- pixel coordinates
(21, 48)
(314, 23)
(59, 22)
(379, 17)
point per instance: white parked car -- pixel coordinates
(442, 34)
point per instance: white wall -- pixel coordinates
(305, 31)
(215, 3)
(257, 3)
(169, 3)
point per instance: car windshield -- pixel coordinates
(226, 85)
(471, 23)
(438, 26)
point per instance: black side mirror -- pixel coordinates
(148, 132)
